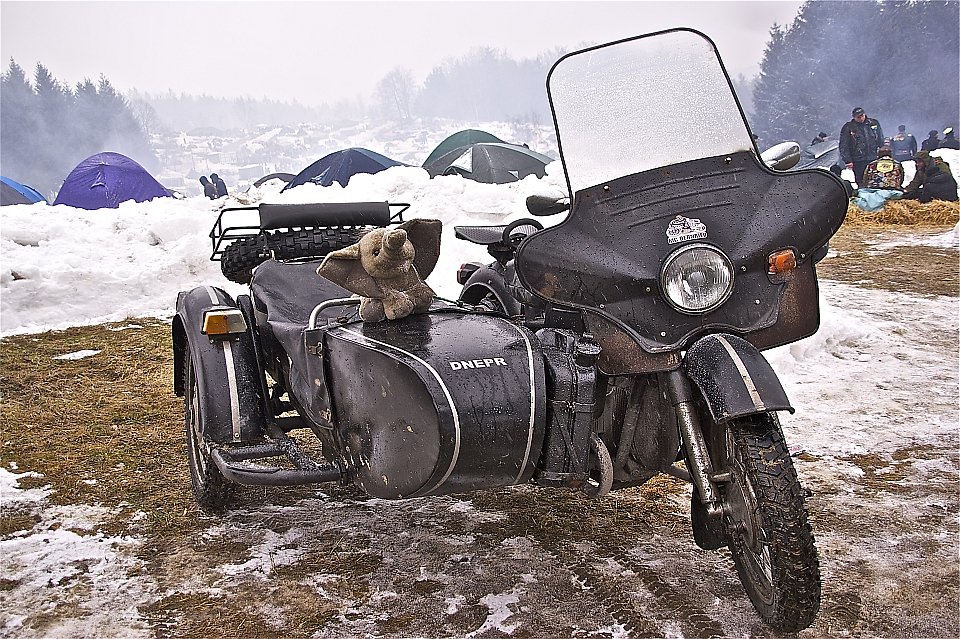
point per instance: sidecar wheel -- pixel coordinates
(210, 488)
(767, 528)
(241, 256)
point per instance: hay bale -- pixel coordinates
(906, 213)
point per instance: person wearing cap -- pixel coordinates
(950, 140)
(821, 137)
(884, 172)
(931, 143)
(859, 140)
(903, 145)
(922, 161)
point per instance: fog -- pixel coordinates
(325, 52)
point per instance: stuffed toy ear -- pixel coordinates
(343, 268)
(425, 237)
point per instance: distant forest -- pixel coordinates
(898, 60)
(47, 127)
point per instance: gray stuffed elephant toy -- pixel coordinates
(386, 269)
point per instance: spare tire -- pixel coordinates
(240, 257)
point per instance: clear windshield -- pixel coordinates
(640, 104)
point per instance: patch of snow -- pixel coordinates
(56, 563)
(78, 354)
(499, 607)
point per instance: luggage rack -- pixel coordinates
(302, 216)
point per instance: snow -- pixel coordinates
(66, 267)
(59, 561)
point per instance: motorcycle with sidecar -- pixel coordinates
(623, 342)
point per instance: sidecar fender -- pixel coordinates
(231, 405)
(734, 377)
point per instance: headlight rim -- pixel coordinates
(687, 248)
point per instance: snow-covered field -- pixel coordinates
(879, 378)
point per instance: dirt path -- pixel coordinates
(105, 433)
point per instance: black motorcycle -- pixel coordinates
(621, 343)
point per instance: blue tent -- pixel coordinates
(12, 192)
(104, 180)
(339, 166)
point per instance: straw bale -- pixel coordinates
(906, 213)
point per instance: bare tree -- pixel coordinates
(395, 92)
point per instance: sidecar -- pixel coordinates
(286, 385)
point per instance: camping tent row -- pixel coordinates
(473, 154)
(104, 180)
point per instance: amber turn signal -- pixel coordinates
(782, 261)
(223, 322)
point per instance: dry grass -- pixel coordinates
(104, 429)
(906, 213)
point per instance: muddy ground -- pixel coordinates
(106, 432)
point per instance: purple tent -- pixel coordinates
(105, 180)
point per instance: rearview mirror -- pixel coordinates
(543, 205)
(782, 157)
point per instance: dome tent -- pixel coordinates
(492, 163)
(105, 180)
(340, 166)
(457, 140)
(13, 192)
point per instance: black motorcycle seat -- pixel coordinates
(287, 292)
(276, 216)
(482, 235)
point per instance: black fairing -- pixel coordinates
(605, 258)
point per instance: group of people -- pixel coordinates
(213, 187)
(876, 160)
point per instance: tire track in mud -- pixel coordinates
(631, 613)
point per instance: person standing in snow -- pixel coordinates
(218, 184)
(859, 140)
(931, 143)
(950, 140)
(209, 189)
(903, 145)
(884, 172)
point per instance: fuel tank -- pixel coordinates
(436, 403)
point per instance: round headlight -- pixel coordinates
(697, 278)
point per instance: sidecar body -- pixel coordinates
(451, 400)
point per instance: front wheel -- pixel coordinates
(766, 523)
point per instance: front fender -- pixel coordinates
(228, 382)
(734, 377)
(487, 280)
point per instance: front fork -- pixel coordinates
(698, 457)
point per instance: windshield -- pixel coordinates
(643, 103)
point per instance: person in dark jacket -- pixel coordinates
(903, 145)
(821, 137)
(209, 189)
(937, 185)
(950, 140)
(922, 161)
(218, 185)
(931, 143)
(859, 140)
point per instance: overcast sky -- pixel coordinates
(315, 52)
